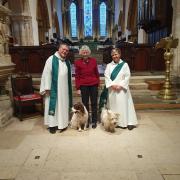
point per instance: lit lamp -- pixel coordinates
(167, 44)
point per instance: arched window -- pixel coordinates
(102, 19)
(73, 20)
(87, 18)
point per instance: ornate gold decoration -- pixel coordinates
(167, 44)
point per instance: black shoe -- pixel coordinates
(52, 130)
(131, 127)
(121, 127)
(62, 130)
(87, 125)
(94, 125)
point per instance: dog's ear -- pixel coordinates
(81, 108)
(117, 115)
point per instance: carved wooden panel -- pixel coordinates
(158, 62)
(141, 60)
(139, 57)
(30, 58)
(35, 62)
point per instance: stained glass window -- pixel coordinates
(87, 18)
(73, 20)
(102, 19)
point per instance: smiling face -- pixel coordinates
(63, 51)
(85, 53)
(116, 55)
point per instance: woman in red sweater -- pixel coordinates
(87, 81)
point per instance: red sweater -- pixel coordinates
(86, 73)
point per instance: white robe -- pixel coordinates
(120, 102)
(61, 117)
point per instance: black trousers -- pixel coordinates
(90, 92)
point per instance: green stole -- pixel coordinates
(104, 93)
(54, 83)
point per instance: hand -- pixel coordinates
(47, 93)
(118, 88)
(113, 87)
(79, 92)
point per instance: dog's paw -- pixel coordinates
(79, 129)
(112, 131)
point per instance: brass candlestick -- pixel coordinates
(167, 92)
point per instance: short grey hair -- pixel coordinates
(115, 50)
(85, 48)
(62, 44)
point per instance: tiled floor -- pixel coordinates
(149, 152)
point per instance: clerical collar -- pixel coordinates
(117, 62)
(62, 59)
(58, 55)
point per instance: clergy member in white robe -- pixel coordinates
(58, 101)
(119, 100)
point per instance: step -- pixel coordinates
(138, 86)
(137, 79)
(136, 82)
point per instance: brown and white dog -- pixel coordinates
(109, 120)
(79, 118)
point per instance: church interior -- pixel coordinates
(147, 32)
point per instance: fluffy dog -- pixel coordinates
(79, 118)
(109, 120)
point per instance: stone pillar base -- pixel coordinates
(6, 111)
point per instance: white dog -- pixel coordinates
(80, 117)
(109, 120)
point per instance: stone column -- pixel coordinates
(110, 21)
(66, 19)
(118, 8)
(22, 29)
(80, 21)
(176, 34)
(95, 14)
(6, 67)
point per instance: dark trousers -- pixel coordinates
(92, 93)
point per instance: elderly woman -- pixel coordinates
(117, 75)
(87, 81)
